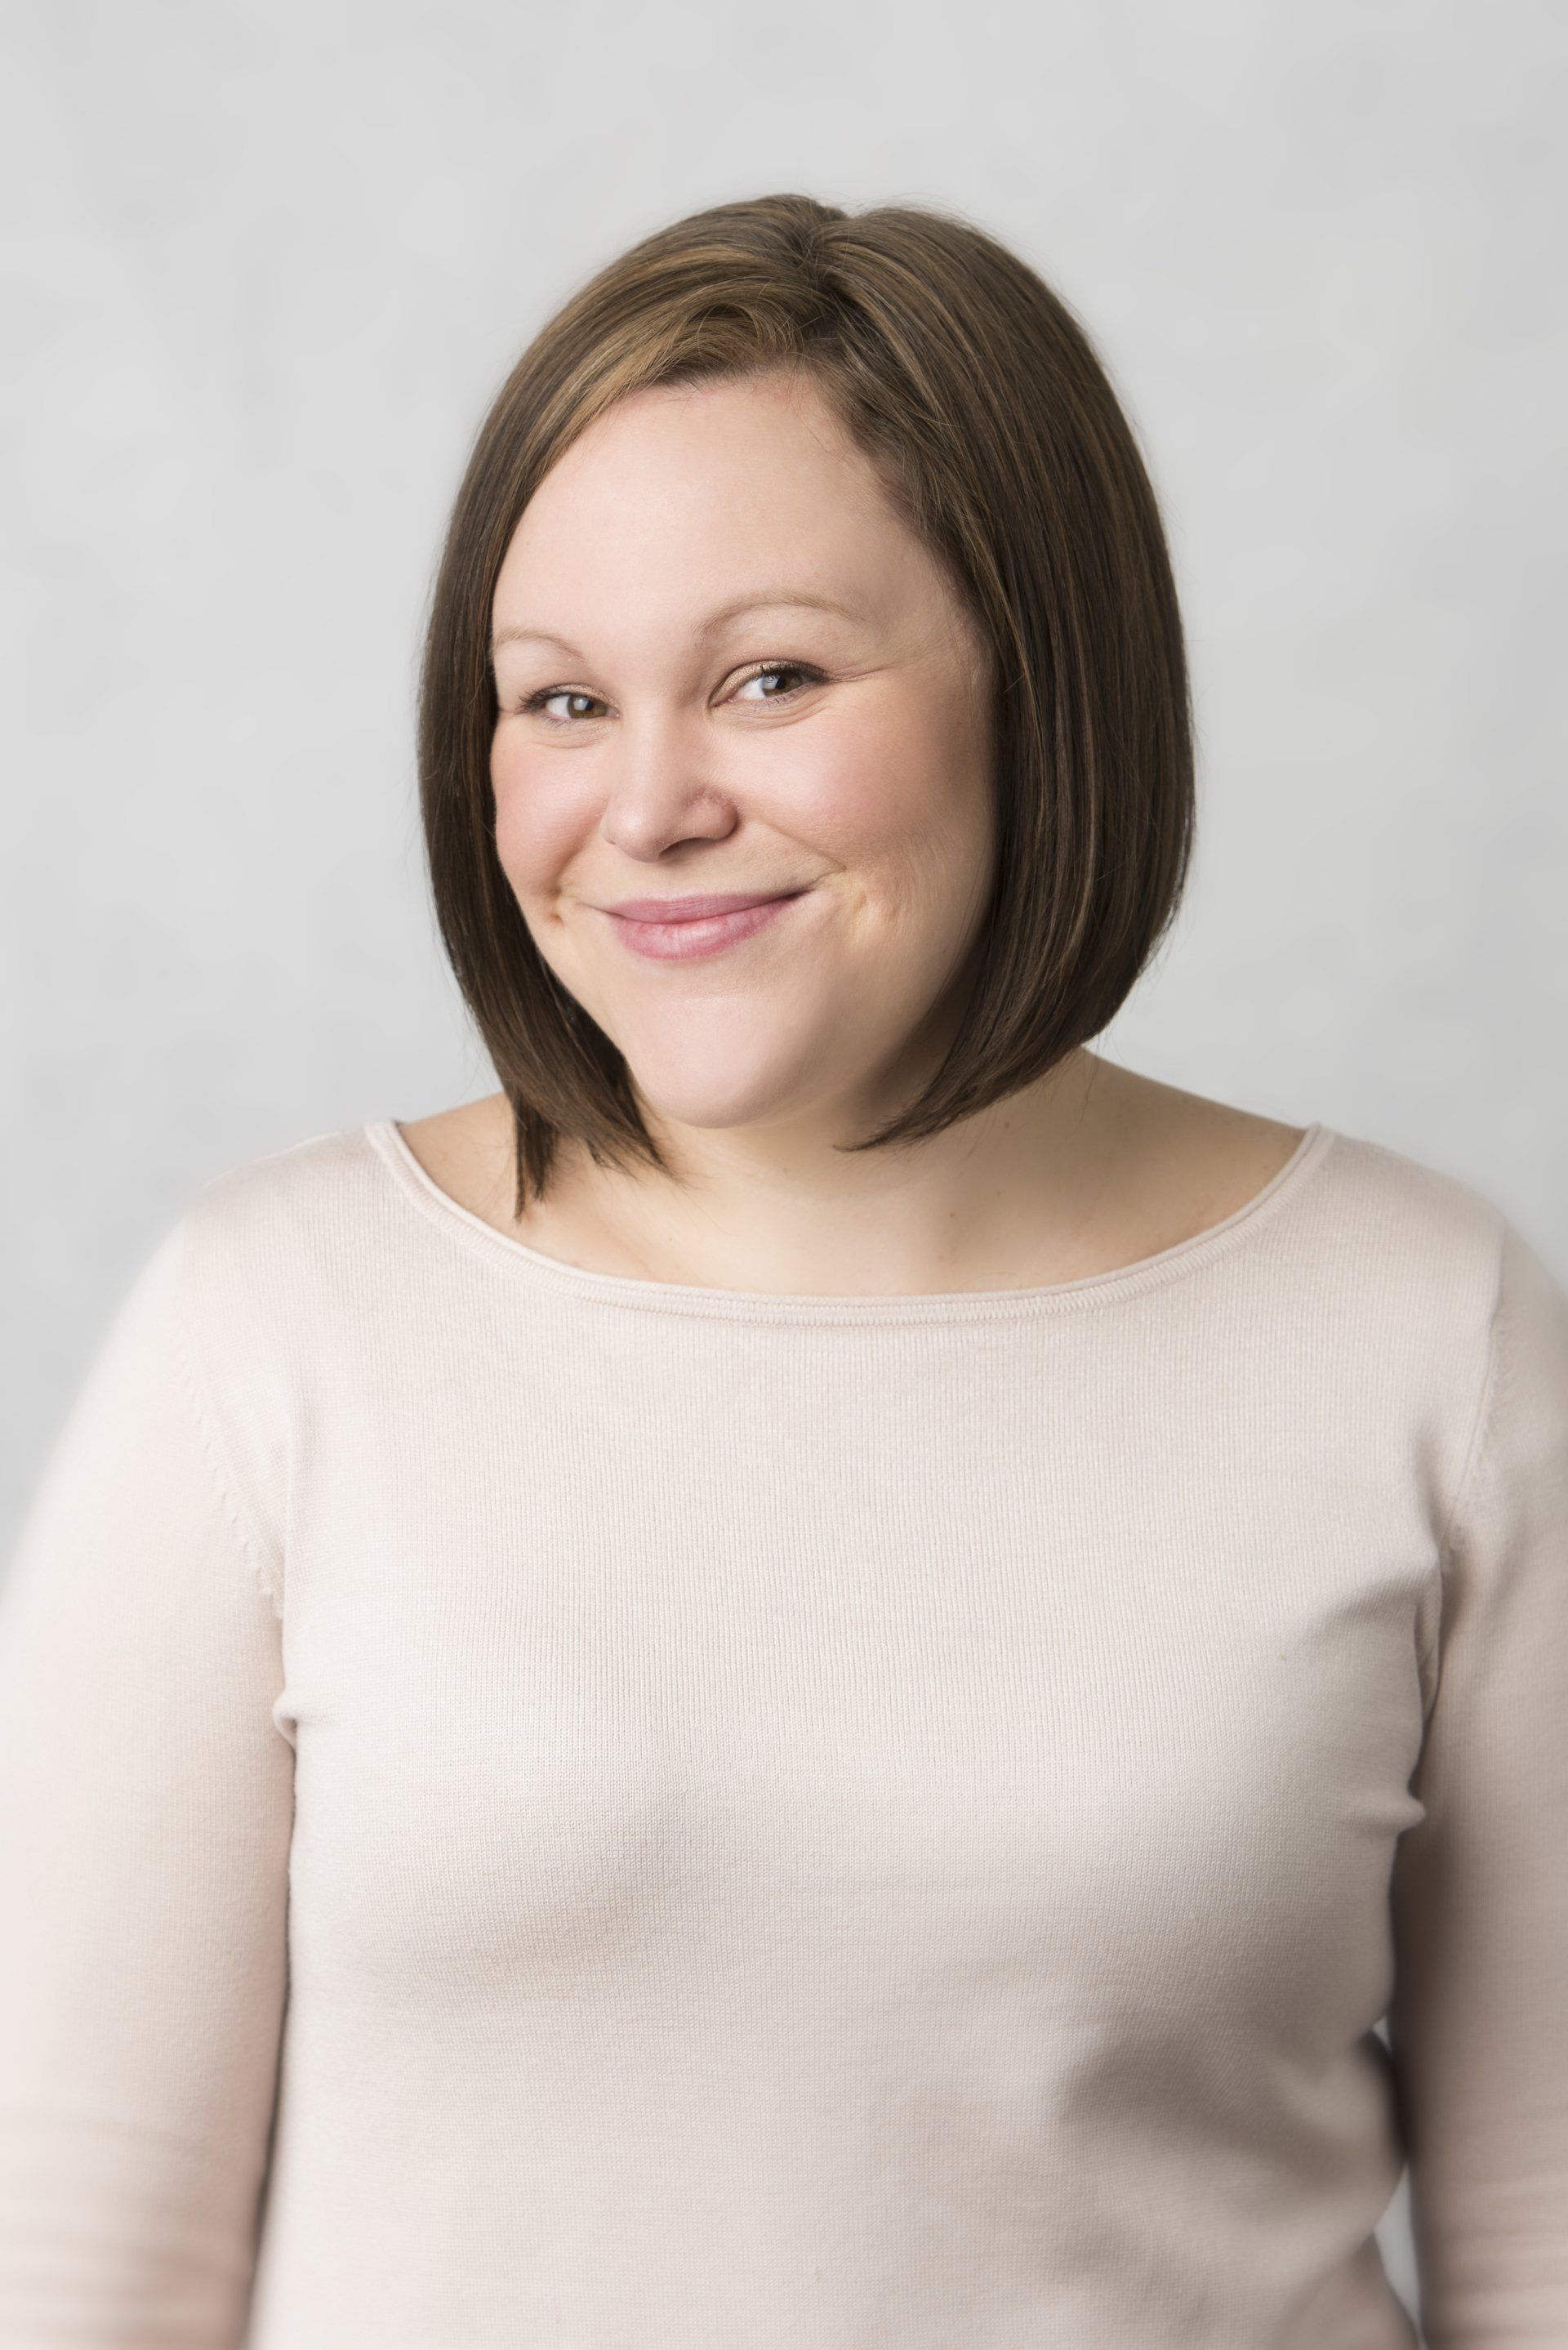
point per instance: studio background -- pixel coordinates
(265, 269)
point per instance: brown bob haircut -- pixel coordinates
(992, 428)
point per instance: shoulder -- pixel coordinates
(1426, 1329)
(1436, 1291)
(270, 1223)
(1384, 1269)
(332, 1235)
(1399, 1262)
(1410, 1228)
(295, 1262)
(287, 1272)
(1367, 1225)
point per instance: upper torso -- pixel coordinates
(863, 1825)
(747, 1821)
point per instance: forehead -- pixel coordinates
(713, 485)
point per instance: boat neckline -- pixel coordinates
(419, 1186)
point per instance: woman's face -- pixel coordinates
(680, 717)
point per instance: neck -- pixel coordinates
(1002, 1198)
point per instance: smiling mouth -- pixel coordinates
(682, 938)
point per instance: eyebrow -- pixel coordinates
(766, 602)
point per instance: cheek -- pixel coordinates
(900, 793)
(537, 824)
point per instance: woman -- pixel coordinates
(809, 1680)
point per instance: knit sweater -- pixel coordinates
(541, 1810)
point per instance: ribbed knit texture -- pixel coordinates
(544, 1811)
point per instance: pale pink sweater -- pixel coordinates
(543, 1811)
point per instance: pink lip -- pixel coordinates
(712, 924)
(692, 910)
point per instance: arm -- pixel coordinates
(1478, 2024)
(146, 1805)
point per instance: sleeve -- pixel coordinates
(146, 1808)
(1478, 2021)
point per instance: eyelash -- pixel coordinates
(532, 703)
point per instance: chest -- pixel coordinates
(1079, 1675)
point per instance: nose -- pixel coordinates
(658, 790)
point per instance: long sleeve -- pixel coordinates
(1478, 2026)
(146, 1797)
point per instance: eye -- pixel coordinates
(782, 669)
(535, 701)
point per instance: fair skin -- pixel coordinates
(663, 756)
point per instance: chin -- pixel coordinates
(714, 1099)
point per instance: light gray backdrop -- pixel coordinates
(264, 266)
